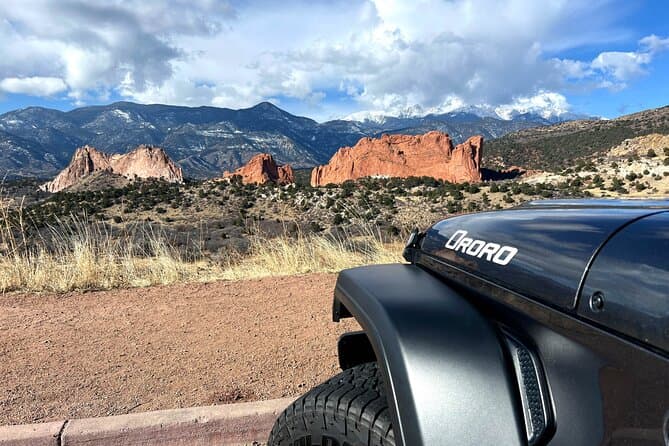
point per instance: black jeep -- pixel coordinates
(543, 324)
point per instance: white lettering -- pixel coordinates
(509, 251)
(455, 239)
(489, 251)
(464, 244)
(475, 247)
(492, 252)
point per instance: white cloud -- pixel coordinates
(622, 65)
(341, 56)
(653, 44)
(33, 86)
(614, 69)
(546, 104)
(92, 45)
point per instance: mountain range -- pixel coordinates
(205, 141)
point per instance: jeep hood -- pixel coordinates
(543, 249)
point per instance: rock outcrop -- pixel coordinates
(641, 145)
(143, 162)
(262, 169)
(147, 162)
(431, 154)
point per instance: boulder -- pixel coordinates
(432, 154)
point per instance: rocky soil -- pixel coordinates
(115, 352)
(636, 168)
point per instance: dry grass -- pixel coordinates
(311, 253)
(83, 256)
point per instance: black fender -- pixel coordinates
(447, 376)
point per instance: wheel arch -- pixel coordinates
(443, 363)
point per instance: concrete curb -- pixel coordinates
(42, 434)
(233, 424)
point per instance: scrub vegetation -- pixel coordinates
(77, 255)
(149, 232)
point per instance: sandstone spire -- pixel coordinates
(262, 169)
(143, 162)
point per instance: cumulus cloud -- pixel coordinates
(545, 103)
(33, 86)
(93, 45)
(613, 69)
(653, 44)
(343, 55)
(621, 65)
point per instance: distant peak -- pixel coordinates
(123, 103)
(33, 107)
(265, 105)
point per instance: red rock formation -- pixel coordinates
(286, 175)
(85, 161)
(147, 162)
(143, 162)
(262, 169)
(431, 154)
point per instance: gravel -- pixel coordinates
(103, 353)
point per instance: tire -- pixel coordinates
(350, 409)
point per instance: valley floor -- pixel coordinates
(114, 352)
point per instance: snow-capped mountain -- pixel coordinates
(205, 141)
(549, 112)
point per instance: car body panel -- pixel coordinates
(630, 276)
(605, 390)
(554, 246)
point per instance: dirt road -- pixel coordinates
(114, 352)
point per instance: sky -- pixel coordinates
(332, 59)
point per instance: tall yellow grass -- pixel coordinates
(312, 253)
(83, 256)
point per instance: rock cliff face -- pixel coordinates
(431, 154)
(143, 162)
(147, 162)
(262, 169)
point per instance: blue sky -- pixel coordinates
(327, 59)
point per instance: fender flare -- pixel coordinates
(446, 374)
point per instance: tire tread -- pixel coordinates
(351, 406)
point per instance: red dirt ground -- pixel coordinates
(114, 352)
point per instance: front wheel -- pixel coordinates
(350, 409)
